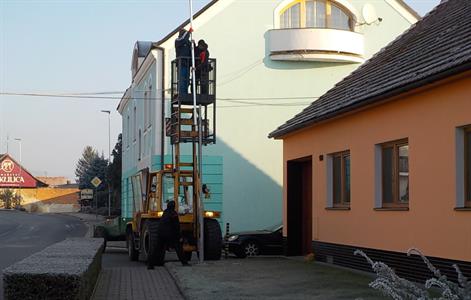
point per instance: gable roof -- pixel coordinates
(434, 48)
(185, 23)
(39, 183)
(207, 6)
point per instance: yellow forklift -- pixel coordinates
(189, 125)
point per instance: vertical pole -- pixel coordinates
(197, 124)
(109, 163)
(96, 204)
(19, 140)
(200, 190)
(226, 244)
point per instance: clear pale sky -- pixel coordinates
(76, 47)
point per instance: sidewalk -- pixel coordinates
(121, 279)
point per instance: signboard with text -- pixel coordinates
(86, 194)
(12, 175)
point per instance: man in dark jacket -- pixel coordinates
(168, 235)
(183, 55)
(202, 66)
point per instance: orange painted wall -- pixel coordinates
(428, 119)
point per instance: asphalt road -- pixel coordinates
(22, 234)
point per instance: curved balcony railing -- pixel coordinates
(316, 44)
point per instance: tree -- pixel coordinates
(7, 196)
(90, 165)
(114, 172)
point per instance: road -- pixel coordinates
(22, 234)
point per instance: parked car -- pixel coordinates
(252, 243)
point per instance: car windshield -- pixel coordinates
(273, 227)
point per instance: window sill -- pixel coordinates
(463, 208)
(338, 208)
(392, 209)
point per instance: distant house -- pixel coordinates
(273, 57)
(382, 161)
(37, 195)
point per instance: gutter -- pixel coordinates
(279, 134)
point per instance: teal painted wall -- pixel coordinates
(236, 32)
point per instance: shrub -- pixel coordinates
(399, 288)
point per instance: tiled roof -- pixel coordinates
(437, 46)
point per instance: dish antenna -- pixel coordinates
(369, 14)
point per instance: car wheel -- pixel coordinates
(251, 248)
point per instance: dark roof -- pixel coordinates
(143, 48)
(434, 48)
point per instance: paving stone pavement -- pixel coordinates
(129, 283)
(121, 279)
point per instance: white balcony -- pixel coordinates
(316, 44)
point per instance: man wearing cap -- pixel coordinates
(183, 55)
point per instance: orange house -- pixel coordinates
(382, 161)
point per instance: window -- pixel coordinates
(135, 123)
(395, 174)
(140, 146)
(146, 110)
(128, 131)
(467, 168)
(316, 14)
(149, 106)
(341, 179)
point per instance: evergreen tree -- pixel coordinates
(114, 173)
(90, 165)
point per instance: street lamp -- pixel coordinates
(109, 158)
(19, 141)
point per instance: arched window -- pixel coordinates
(316, 14)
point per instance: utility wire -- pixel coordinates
(90, 96)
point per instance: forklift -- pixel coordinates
(193, 126)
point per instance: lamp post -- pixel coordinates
(109, 158)
(19, 141)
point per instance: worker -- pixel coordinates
(183, 55)
(202, 66)
(168, 235)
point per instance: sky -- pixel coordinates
(80, 47)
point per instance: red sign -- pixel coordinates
(14, 176)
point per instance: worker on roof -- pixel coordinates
(183, 55)
(168, 236)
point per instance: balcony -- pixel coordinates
(316, 44)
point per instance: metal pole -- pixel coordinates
(19, 140)
(109, 158)
(109, 162)
(200, 192)
(197, 123)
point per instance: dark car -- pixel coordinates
(252, 243)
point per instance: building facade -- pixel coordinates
(382, 162)
(273, 58)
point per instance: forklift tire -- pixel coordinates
(154, 250)
(212, 240)
(132, 252)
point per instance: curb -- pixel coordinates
(176, 281)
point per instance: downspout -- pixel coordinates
(162, 134)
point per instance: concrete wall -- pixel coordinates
(251, 88)
(429, 119)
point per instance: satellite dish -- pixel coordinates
(369, 14)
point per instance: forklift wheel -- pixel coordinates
(155, 251)
(212, 240)
(132, 252)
